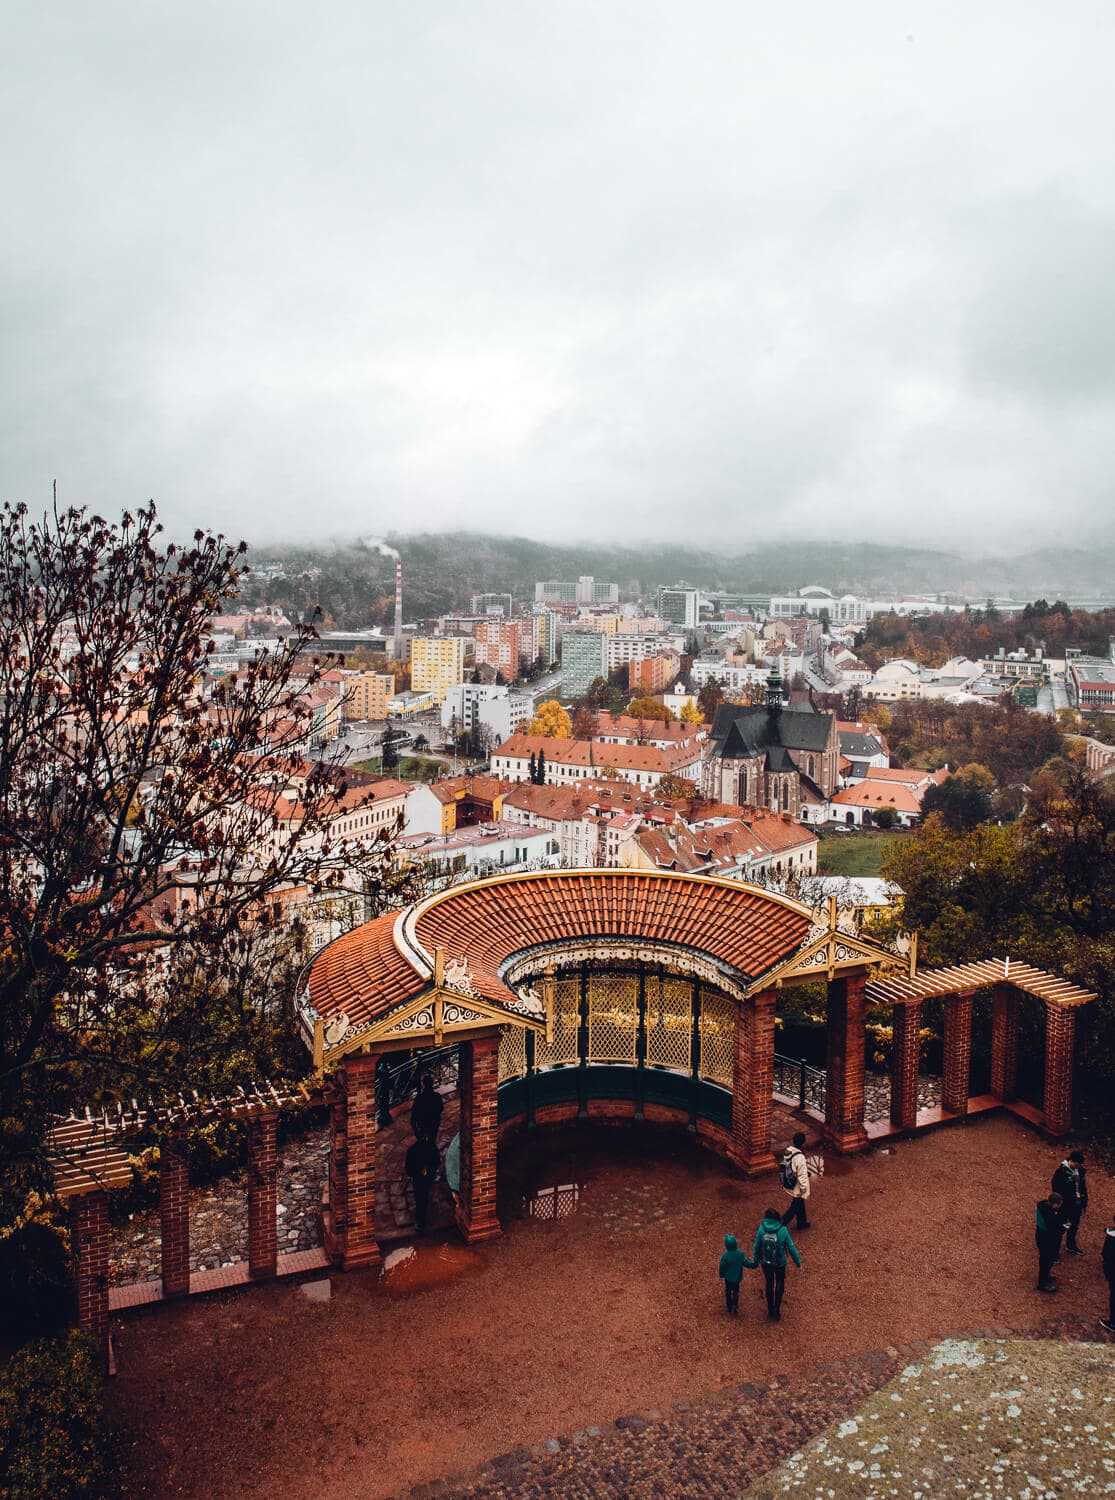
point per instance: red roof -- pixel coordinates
(365, 975)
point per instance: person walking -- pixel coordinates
(422, 1163)
(732, 1263)
(1108, 1261)
(425, 1115)
(772, 1244)
(793, 1174)
(1071, 1181)
(1049, 1226)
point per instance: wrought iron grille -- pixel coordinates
(613, 1017)
(718, 1037)
(567, 1020)
(512, 1053)
(795, 1079)
(669, 1011)
(397, 1082)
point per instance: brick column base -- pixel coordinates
(955, 1083)
(1004, 1043)
(174, 1213)
(1060, 1032)
(478, 1086)
(90, 1251)
(905, 1056)
(353, 1217)
(844, 1073)
(263, 1197)
(753, 1084)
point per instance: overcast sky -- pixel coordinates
(719, 271)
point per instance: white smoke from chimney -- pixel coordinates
(380, 546)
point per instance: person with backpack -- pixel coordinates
(1071, 1181)
(772, 1244)
(793, 1174)
(1049, 1226)
(732, 1265)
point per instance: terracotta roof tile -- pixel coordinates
(364, 974)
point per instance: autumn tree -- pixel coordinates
(586, 725)
(141, 818)
(552, 721)
(709, 698)
(690, 714)
(650, 708)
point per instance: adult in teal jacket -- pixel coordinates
(772, 1244)
(732, 1264)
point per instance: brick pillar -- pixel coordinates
(1004, 1043)
(90, 1250)
(263, 1196)
(844, 1073)
(955, 1084)
(1060, 1031)
(478, 1086)
(905, 1056)
(753, 1084)
(174, 1212)
(354, 1230)
(337, 1216)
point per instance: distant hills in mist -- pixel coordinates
(441, 569)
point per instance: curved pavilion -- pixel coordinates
(632, 993)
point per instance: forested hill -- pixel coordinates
(441, 570)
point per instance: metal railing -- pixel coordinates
(396, 1082)
(794, 1078)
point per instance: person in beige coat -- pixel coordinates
(793, 1173)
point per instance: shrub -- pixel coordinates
(54, 1435)
(35, 1292)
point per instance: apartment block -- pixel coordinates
(366, 694)
(584, 657)
(437, 663)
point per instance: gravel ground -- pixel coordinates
(565, 1325)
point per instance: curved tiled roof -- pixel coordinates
(371, 970)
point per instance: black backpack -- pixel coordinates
(786, 1174)
(768, 1248)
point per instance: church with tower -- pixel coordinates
(772, 756)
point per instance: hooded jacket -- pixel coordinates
(785, 1243)
(794, 1158)
(733, 1261)
(1048, 1223)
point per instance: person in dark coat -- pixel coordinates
(1049, 1226)
(1071, 1181)
(1108, 1260)
(422, 1163)
(732, 1264)
(425, 1116)
(772, 1244)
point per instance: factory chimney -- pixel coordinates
(397, 645)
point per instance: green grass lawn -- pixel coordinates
(410, 767)
(860, 852)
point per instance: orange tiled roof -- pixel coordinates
(366, 973)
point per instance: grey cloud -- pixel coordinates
(566, 269)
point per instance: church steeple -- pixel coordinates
(774, 691)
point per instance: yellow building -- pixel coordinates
(437, 663)
(366, 694)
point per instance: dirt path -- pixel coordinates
(568, 1323)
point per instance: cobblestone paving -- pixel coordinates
(876, 1105)
(722, 1444)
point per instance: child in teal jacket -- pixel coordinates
(732, 1264)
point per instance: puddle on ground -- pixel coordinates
(557, 1202)
(425, 1266)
